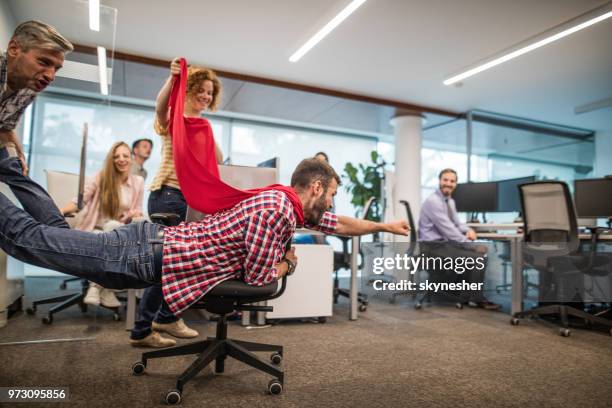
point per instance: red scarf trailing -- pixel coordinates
(195, 162)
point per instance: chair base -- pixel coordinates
(564, 311)
(362, 298)
(426, 296)
(65, 301)
(214, 349)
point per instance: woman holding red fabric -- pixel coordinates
(203, 93)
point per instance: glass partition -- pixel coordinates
(52, 140)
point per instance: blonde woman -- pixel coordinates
(203, 93)
(112, 197)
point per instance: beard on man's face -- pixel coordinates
(315, 212)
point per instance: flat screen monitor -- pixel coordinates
(508, 196)
(273, 162)
(476, 197)
(593, 198)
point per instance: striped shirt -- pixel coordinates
(244, 242)
(166, 174)
(12, 104)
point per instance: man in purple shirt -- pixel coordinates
(439, 222)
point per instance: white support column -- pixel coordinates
(407, 163)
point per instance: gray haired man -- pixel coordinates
(34, 54)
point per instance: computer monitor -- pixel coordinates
(476, 197)
(508, 197)
(273, 162)
(593, 198)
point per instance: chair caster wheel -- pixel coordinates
(459, 305)
(363, 308)
(322, 319)
(564, 332)
(276, 358)
(47, 319)
(173, 397)
(418, 306)
(275, 387)
(138, 368)
(30, 311)
(116, 317)
(514, 321)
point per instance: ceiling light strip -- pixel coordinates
(322, 33)
(102, 71)
(94, 15)
(526, 49)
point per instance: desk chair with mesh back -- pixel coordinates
(413, 248)
(62, 187)
(225, 298)
(342, 260)
(551, 246)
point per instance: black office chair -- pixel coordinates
(426, 296)
(551, 246)
(342, 260)
(59, 186)
(413, 249)
(223, 299)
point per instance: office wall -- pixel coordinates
(7, 24)
(603, 153)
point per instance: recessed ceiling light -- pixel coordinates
(322, 33)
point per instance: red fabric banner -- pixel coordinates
(195, 162)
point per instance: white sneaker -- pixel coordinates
(93, 296)
(177, 329)
(108, 298)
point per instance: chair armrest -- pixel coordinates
(167, 219)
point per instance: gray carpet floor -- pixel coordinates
(393, 356)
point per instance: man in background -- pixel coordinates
(439, 223)
(141, 151)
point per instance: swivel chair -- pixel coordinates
(551, 246)
(413, 249)
(62, 187)
(223, 300)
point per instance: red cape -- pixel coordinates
(195, 162)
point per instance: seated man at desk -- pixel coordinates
(439, 222)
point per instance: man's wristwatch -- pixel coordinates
(291, 266)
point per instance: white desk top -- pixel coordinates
(492, 226)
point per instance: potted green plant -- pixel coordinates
(365, 181)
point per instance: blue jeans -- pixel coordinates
(38, 235)
(152, 305)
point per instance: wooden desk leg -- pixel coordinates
(517, 275)
(354, 289)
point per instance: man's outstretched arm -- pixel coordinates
(353, 226)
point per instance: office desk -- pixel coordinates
(353, 284)
(493, 226)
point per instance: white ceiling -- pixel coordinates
(394, 49)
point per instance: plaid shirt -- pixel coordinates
(12, 104)
(243, 242)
